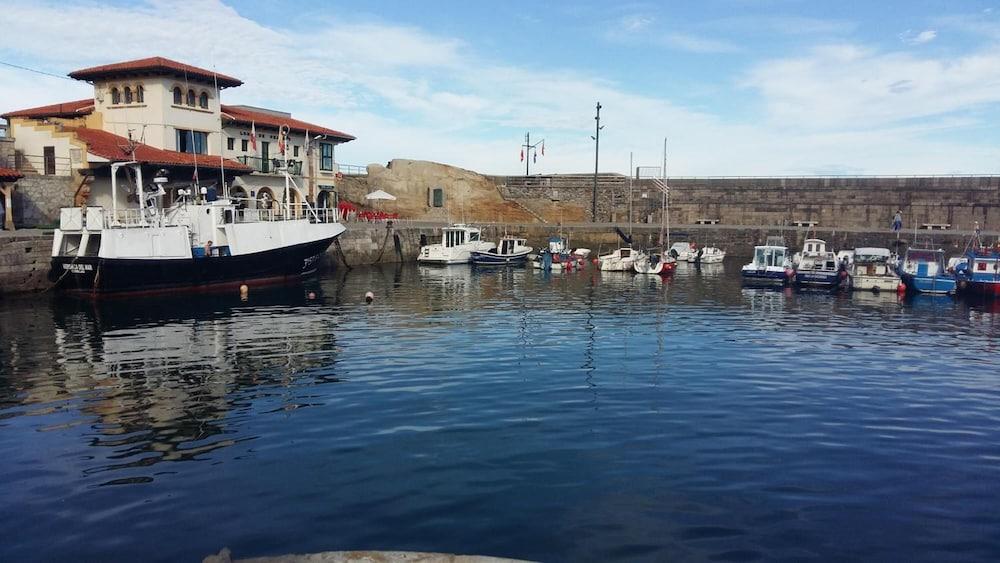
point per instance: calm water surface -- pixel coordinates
(563, 418)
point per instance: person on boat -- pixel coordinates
(208, 249)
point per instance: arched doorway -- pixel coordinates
(239, 197)
(266, 199)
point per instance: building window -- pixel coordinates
(128, 95)
(230, 143)
(203, 100)
(190, 98)
(139, 91)
(116, 96)
(178, 96)
(192, 141)
(437, 197)
(245, 144)
(295, 151)
(326, 156)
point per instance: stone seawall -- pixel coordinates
(24, 260)
(841, 202)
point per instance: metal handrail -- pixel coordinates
(352, 169)
(35, 164)
(271, 165)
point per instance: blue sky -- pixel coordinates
(778, 87)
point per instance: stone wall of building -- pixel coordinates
(38, 199)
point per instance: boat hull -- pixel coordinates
(938, 285)
(875, 283)
(764, 277)
(985, 288)
(823, 280)
(494, 259)
(95, 275)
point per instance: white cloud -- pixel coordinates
(925, 36)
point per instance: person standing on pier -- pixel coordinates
(897, 222)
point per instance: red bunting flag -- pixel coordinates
(522, 155)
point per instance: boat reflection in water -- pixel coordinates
(164, 378)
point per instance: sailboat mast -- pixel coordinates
(630, 168)
(665, 212)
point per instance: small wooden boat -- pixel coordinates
(871, 270)
(706, 255)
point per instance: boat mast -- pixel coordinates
(665, 211)
(630, 168)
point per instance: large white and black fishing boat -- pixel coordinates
(202, 239)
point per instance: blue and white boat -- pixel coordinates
(510, 250)
(770, 266)
(979, 273)
(923, 271)
(818, 267)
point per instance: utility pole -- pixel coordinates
(528, 147)
(597, 151)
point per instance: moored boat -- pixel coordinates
(621, 260)
(980, 272)
(706, 255)
(557, 257)
(770, 266)
(458, 242)
(510, 250)
(657, 263)
(818, 267)
(681, 251)
(203, 240)
(923, 271)
(871, 270)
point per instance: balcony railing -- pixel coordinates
(352, 170)
(271, 165)
(37, 164)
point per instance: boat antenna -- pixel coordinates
(665, 214)
(222, 160)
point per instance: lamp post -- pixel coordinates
(528, 147)
(597, 150)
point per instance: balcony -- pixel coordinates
(45, 165)
(271, 165)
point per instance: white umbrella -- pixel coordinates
(379, 194)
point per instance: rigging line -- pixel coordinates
(36, 71)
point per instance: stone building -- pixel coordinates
(168, 115)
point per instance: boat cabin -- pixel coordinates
(458, 235)
(509, 245)
(769, 256)
(924, 263)
(814, 247)
(984, 262)
(871, 261)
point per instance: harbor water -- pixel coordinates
(578, 416)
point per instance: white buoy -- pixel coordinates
(369, 297)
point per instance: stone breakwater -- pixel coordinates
(24, 255)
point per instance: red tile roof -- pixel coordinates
(259, 118)
(158, 65)
(8, 174)
(65, 109)
(113, 147)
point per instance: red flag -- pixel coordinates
(253, 136)
(281, 141)
(522, 155)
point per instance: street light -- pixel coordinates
(597, 149)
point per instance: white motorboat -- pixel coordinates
(681, 251)
(817, 266)
(621, 260)
(657, 263)
(510, 250)
(706, 255)
(770, 266)
(557, 256)
(871, 270)
(458, 242)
